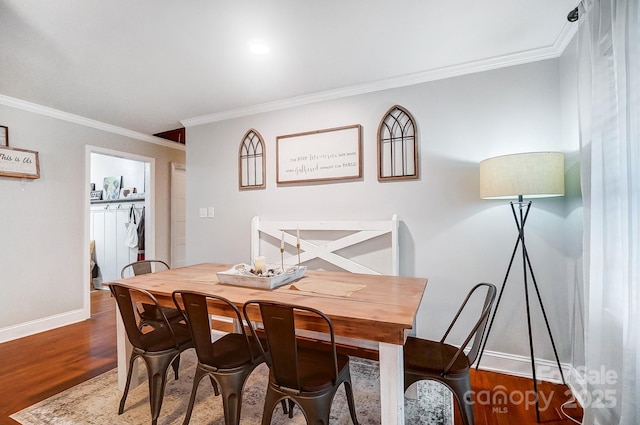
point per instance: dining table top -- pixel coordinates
(382, 309)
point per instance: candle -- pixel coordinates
(298, 236)
(282, 241)
(259, 264)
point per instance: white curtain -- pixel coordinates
(609, 91)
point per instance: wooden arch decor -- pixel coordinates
(251, 161)
(397, 146)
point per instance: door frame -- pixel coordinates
(149, 201)
(175, 166)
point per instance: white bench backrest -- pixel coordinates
(356, 246)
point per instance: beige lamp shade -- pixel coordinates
(531, 175)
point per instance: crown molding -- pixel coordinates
(553, 51)
(87, 122)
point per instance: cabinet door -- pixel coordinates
(110, 270)
(97, 220)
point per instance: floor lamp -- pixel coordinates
(530, 175)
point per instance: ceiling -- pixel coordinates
(148, 65)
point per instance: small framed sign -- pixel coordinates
(4, 136)
(20, 163)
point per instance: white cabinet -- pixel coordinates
(107, 227)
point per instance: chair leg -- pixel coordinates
(317, 409)
(410, 379)
(176, 365)
(286, 409)
(214, 384)
(352, 406)
(157, 372)
(231, 385)
(132, 359)
(271, 399)
(194, 389)
(291, 406)
(461, 389)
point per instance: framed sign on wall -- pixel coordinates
(331, 154)
(20, 163)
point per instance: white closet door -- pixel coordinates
(109, 231)
(110, 270)
(97, 219)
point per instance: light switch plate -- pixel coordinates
(210, 212)
(203, 213)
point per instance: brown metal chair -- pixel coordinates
(307, 375)
(439, 361)
(144, 267)
(228, 361)
(158, 343)
(137, 268)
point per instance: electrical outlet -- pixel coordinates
(210, 212)
(203, 213)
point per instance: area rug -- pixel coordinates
(95, 402)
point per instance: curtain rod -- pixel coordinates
(573, 15)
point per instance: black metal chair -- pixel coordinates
(158, 343)
(448, 364)
(228, 361)
(307, 375)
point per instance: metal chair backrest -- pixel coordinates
(194, 307)
(279, 321)
(477, 332)
(144, 267)
(164, 337)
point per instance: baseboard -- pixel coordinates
(40, 325)
(512, 364)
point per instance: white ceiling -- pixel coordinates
(146, 65)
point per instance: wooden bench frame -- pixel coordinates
(360, 231)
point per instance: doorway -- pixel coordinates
(178, 217)
(136, 172)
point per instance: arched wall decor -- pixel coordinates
(251, 161)
(397, 146)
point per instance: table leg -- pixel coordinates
(391, 384)
(124, 349)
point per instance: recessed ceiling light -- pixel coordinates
(258, 47)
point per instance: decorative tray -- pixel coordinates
(241, 275)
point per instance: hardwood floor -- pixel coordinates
(36, 367)
(515, 406)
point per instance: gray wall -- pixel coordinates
(448, 234)
(43, 275)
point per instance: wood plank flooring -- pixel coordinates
(39, 366)
(36, 367)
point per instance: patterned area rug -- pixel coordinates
(95, 402)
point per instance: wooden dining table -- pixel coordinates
(382, 310)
